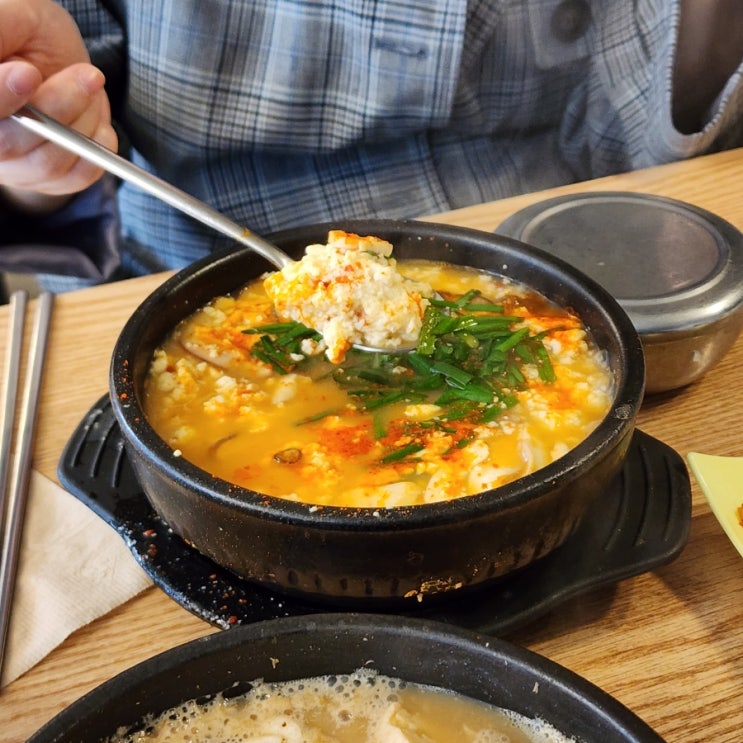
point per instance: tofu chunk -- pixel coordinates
(350, 291)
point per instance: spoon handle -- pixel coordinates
(90, 150)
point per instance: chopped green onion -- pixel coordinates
(513, 340)
(470, 361)
(317, 416)
(402, 453)
(378, 427)
(453, 374)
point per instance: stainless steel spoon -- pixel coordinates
(88, 149)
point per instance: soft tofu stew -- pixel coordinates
(502, 383)
(362, 707)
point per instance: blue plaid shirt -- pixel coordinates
(284, 112)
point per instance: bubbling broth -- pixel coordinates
(503, 383)
(363, 707)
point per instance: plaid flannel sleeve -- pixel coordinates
(79, 240)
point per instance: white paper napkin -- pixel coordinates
(72, 568)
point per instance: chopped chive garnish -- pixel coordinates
(382, 400)
(317, 416)
(280, 343)
(378, 427)
(402, 453)
(470, 362)
(513, 340)
(454, 375)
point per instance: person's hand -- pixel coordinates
(43, 60)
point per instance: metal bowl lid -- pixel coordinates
(671, 265)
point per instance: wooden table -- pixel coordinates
(668, 643)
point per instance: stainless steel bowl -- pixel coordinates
(675, 268)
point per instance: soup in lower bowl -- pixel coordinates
(361, 707)
(502, 383)
(422, 657)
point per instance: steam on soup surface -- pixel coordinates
(503, 383)
(362, 707)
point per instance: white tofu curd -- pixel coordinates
(351, 292)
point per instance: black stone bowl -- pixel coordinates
(480, 667)
(367, 557)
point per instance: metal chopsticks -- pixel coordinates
(15, 464)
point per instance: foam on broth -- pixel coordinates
(363, 707)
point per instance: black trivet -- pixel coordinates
(642, 522)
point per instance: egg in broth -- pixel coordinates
(502, 383)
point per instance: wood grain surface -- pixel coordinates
(667, 643)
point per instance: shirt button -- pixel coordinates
(570, 20)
